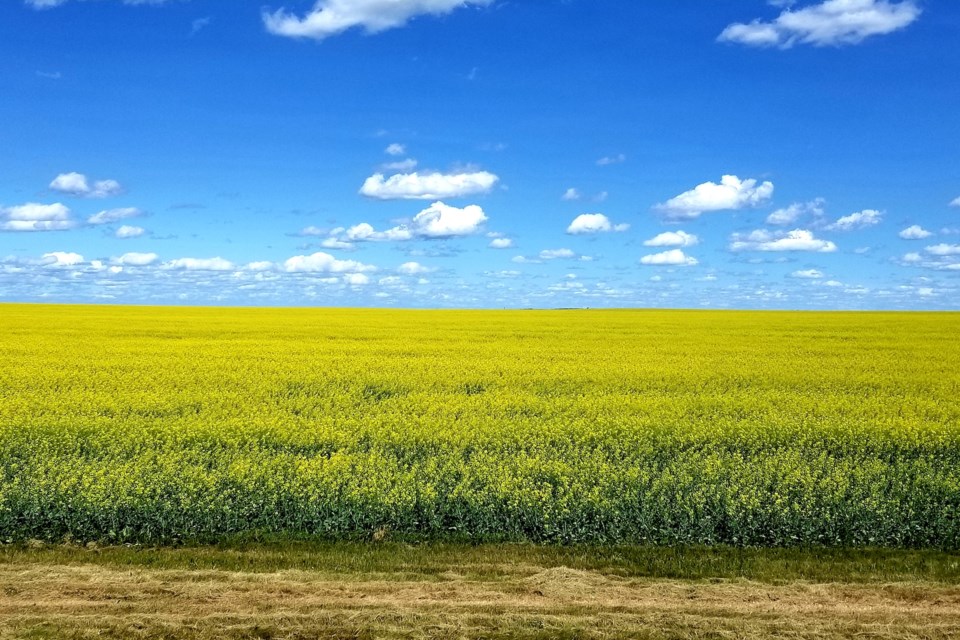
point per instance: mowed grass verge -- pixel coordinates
(289, 589)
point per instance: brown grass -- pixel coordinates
(45, 599)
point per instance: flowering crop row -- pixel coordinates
(158, 425)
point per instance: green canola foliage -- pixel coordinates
(165, 425)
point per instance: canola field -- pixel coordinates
(166, 425)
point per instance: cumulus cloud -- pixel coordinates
(324, 263)
(944, 249)
(571, 194)
(672, 239)
(114, 215)
(128, 231)
(35, 217)
(440, 220)
(429, 186)
(61, 259)
(955, 202)
(135, 259)
(789, 215)
(915, 232)
(808, 274)
(501, 243)
(731, 193)
(76, 184)
(796, 240)
(671, 258)
(330, 17)
(336, 243)
(829, 23)
(588, 223)
(556, 254)
(364, 232)
(199, 264)
(858, 220)
(413, 269)
(912, 258)
(356, 279)
(395, 149)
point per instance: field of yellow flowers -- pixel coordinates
(136, 424)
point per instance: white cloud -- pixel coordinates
(135, 259)
(199, 25)
(955, 202)
(594, 223)
(501, 243)
(672, 239)
(330, 17)
(554, 254)
(430, 186)
(335, 243)
(943, 249)
(114, 215)
(199, 264)
(808, 274)
(406, 165)
(35, 217)
(796, 240)
(440, 220)
(61, 259)
(48, 4)
(608, 160)
(858, 220)
(413, 269)
(76, 184)
(260, 265)
(731, 193)
(915, 232)
(830, 23)
(312, 231)
(395, 149)
(571, 194)
(789, 215)
(671, 258)
(912, 258)
(356, 279)
(324, 263)
(128, 231)
(365, 232)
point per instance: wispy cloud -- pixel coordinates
(199, 24)
(330, 17)
(829, 23)
(608, 160)
(858, 220)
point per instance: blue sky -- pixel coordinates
(484, 153)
